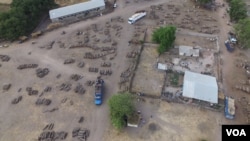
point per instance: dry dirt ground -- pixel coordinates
(147, 73)
(174, 122)
(5, 1)
(26, 120)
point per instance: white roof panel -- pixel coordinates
(162, 66)
(201, 87)
(76, 8)
(188, 51)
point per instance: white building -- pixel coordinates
(77, 11)
(200, 87)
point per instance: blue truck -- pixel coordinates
(228, 46)
(229, 108)
(99, 89)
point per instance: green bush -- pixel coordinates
(238, 10)
(165, 36)
(23, 17)
(121, 106)
(242, 29)
(174, 79)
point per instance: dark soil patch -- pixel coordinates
(153, 127)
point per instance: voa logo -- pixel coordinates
(236, 132)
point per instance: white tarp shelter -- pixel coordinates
(161, 66)
(200, 87)
(188, 51)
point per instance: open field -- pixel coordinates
(80, 44)
(205, 43)
(148, 79)
(175, 122)
(92, 42)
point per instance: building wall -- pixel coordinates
(80, 15)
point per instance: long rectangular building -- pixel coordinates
(200, 87)
(77, 11)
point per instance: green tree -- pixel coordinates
(237, 10)
(10, 24)
(242, 29)
(165, 36)
(121, 106)
(23, 17)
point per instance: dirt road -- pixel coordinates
(230, 74)
(65, 119)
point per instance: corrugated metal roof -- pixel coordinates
(76, 8)
(201, 87)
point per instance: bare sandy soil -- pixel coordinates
(26, 120)
(171, 121)
(69, 112)
(196, 41)
(5, 1)
(147, 73)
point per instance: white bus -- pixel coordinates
(136, 17)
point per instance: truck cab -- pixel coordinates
(99, 88)
(228, 46)
(232, 38)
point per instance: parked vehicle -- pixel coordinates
(99, 89)
(138, 15)
(232, 38)
(228, 46)
(115, 5)
(229, 108)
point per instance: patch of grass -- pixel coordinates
(134, 118)
(174, 79)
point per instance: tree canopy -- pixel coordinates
(165, 36)
(242, 29)
(121, 106)
(23, 17)
(237, 10)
